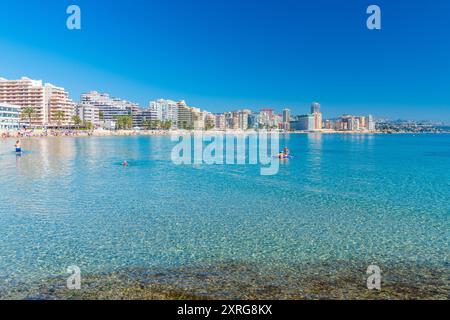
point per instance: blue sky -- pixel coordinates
(228, 54)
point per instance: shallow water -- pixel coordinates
(344, 201)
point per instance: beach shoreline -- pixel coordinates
(118, 133)
(242, 281)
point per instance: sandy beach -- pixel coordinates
(101, 133)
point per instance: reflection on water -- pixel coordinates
(44, 157)
(314, 156)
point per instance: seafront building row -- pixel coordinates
(51, 104)
(51, 107)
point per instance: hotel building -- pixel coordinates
(142, 116)
(198, 119)
(89, 113)
(210, 120)
(165, 110)
(109, 108)
(61, 109)
(220, 121)
(9, 116)
(303, 123)
(185, 120)
(51, 104)
(370, 123)
(243, 119)
(286, 119)
(315, 111)
(266, 118)
(191, 118)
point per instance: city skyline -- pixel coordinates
(247, 64)
(277, 110)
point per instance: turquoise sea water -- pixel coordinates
(343, 200)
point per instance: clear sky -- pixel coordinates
(228, 54)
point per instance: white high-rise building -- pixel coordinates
(165, 110)
(109, 108)
(370, 123)
(89, 113)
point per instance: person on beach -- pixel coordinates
(18, 146)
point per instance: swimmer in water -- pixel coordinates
(286, 151)
(18, 146)
(125, 163)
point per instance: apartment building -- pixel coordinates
(89, 113)
(60, 108)
(51, 104)
(165, 110)
(109, 108)
(9, 116)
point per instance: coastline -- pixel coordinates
(243, 281)
(108, 133)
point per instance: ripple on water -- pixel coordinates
(378, 201)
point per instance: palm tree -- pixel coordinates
(166, 125)
(124, 122)
(59, 116)
(147, 124)
(88, 125)
(77, 121)
(29, 112)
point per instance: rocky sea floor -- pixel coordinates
(244, 282)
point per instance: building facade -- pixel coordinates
(51, 104)
(266, 118)
(220, 121)
(198, 119)
(109, 108)
(9, 116)
(61, 108)
(165, 110)
(318, 118)
(286, 124)
(210, 121)
(89, 113)
(370, 123)
(143, 117)
(303, 123)
(185, 120)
